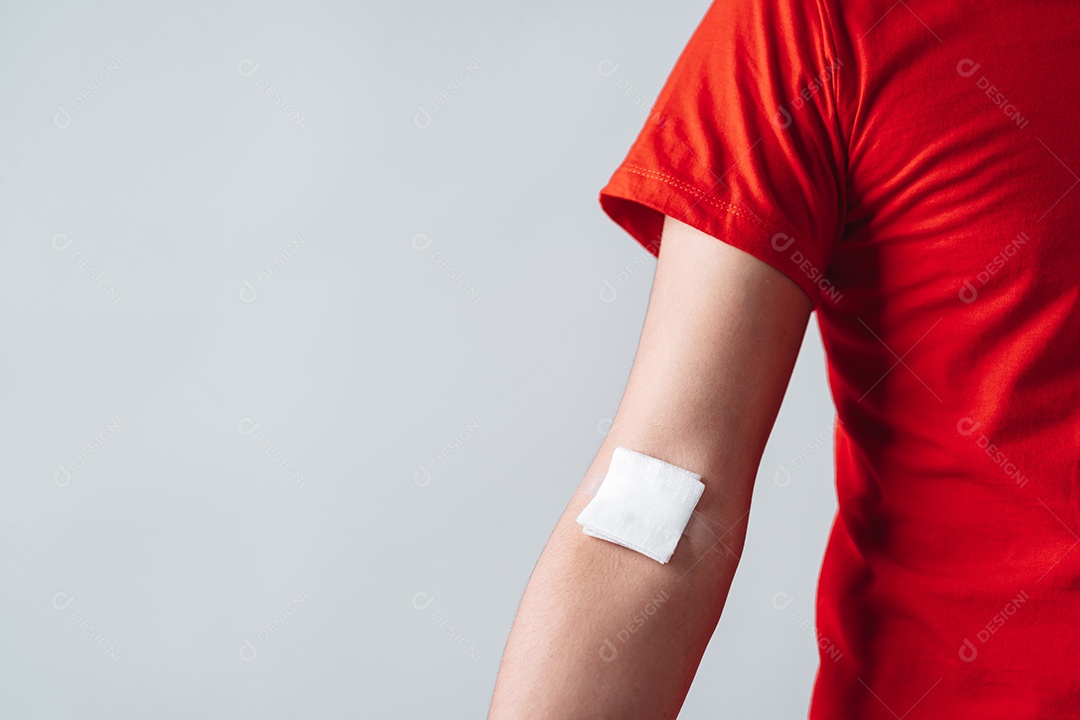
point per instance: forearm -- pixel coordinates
(606, 632)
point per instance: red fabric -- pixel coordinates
(911, 166)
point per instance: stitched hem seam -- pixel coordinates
(698, 194)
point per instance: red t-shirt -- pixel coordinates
(912, 166)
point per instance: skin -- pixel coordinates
(603, 631)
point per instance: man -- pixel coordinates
(905, 169)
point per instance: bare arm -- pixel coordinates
(602, 631)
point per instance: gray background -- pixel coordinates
(295, 385)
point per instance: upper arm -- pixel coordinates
(720, 338)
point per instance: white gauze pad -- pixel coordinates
(643, 504)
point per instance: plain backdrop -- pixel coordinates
(311, 324)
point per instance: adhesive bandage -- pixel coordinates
(643, 504)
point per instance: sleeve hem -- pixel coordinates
(637, 199)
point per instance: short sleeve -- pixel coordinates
(744, 143)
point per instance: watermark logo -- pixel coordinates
(62, 601)
(783, 117)
(969, 651)
(607, 68)
(782, 477)
(248, 292)
(247, 68)
(422, 476)
(423, 117)
(967, 68)
(421, 601)
(248, 651)
(967, 427)
(609, 291)
(782, 601)
(247, 427)
(782, 242)
(969, 292)
(608, 650)
(421, 242)
(62, 118)
(603, 425)
(61, 242)
(62, 476)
